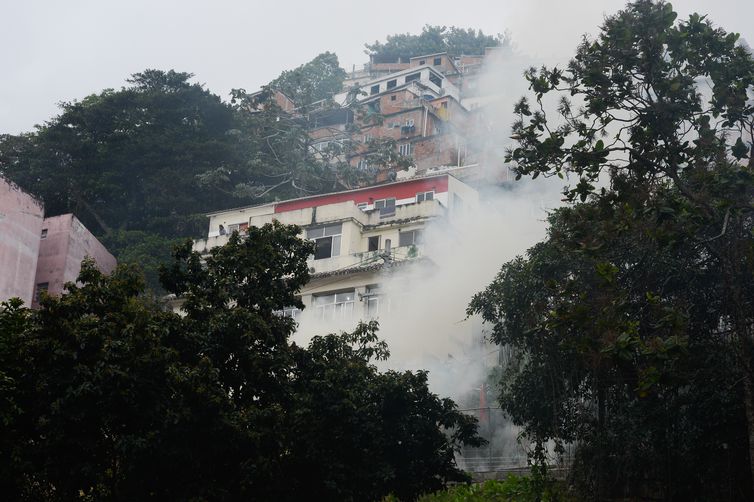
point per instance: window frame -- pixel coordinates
(387, 206)
(417, 237)
(342, 303)
(422, 196)
(412, 77)
(330, 234)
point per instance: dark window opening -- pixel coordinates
(374, 243)
(409, 238)
(375, 89)
(412, 77)
(326, 240)
(44, 233)
(41, 287)
(392, 98)
(386, 207)
(437, 61)
(435, 79)
(392, 83)
(323, 248)
(422, 196)
(422, 61)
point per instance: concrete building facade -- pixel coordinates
(359, 235)
(64, 243)
(21, 217)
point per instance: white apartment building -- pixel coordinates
(360, 235)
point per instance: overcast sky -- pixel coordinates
(54, 50)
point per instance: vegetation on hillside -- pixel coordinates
(633, 321)
(107, 396)
(140, 166)
(433, 39)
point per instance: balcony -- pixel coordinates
(351, 263)
(425, 209)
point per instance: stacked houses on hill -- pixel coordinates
(427, 108)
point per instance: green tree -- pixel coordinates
(654, 124)
(346, 411)
(107, 396)
(433, 39)
(317, 80)
(140, 166)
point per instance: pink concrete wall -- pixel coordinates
(67, 243)
(20, 226)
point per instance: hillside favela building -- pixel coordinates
(360, 235)
(41, 254)
(428, 106)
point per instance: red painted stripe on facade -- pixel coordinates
(438, 184)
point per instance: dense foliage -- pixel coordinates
(634, 320)
(106, 396)
(314, 81)
(140, 166)
(511, 489)
(433, 39)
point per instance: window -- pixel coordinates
(362, 206)
(374, 90)
(393, 97)
(422, 196)
(41, 287)
(386, 207)
(410, 123)
(392, 83)
(406, 149)
(435, 79)
(44, 234)
(412, 77)
(437, 61)
(326, 240)
(372, 299)
(422, 61)
(373, 243)
(238, 227)
(334, 306)
(409, 238)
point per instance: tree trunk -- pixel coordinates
(749, 406)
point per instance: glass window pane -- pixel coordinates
(333, 229)
(323, 247)
(313, 233)
(335, 245)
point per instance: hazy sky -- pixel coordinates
(55, 50)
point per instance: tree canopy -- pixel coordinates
(634, 318)
(140, 166)
(107, 396)
(316, 80)
(434, 39)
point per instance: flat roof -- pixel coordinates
(353, 190)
